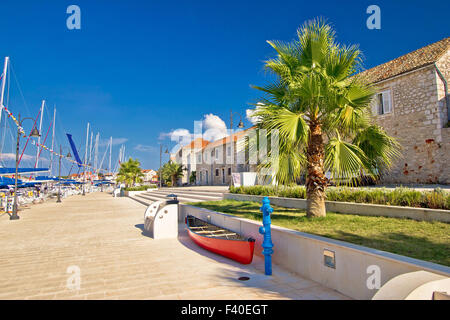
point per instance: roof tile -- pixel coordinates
(408, 62)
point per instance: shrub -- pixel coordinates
(436, 199)
(140, 188)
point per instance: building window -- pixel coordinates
(217, 153)
(229, 171)
(383, 102)
(217, 172)
(199, 158)
(229, 151)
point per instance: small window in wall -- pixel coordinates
(383, 102)
(217, 153)
(217, 172)
(228, 151)
(229, 171)
(199, 158)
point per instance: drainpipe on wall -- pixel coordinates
(446, 90)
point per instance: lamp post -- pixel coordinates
(59, 172)
(34, 133)
(160, 163)
(240, 126)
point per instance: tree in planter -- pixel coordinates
(193, 177)
(321, 110)
(171, 171)
(130, 172)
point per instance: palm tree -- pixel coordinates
(130, 172)
(321, 111)
(171, 171)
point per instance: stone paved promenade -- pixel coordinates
(103, 237)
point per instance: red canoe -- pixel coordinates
(221, 241)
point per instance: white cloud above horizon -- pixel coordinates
(213, 128)
(145, 148)
(250, 113)
(25, 157)
(115, 141)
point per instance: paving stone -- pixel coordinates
(101, 236)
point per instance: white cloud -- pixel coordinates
(250, 113)
(119, 141)
(12, 156)
(214, 127)
(115, 141)
(25, 157)
(145, 148)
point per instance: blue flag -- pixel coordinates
(74, 149)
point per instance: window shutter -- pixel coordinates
(387, 101)
(374, 106)
(380, 103)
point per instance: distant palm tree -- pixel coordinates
(171, 171)
(130, 172)
(322, 113)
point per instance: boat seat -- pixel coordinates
(210, 231)
(223, 235)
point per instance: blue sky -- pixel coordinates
(139, 69)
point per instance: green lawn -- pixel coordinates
(428, 241)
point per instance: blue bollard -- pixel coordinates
(267, 244)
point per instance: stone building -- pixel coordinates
(412, 104)
(150, 176)
(186, 157)
(219, 159)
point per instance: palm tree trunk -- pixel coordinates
(316, 181)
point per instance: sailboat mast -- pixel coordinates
(53, 140)
(85, 151)
(5, 69)
(110, 152)
(90, 147)
(96, 151)
(39, 138)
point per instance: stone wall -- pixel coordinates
(444, 66)
(303, 254)
(237, 163)
(417, 120)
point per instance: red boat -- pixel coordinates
(220, 240)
